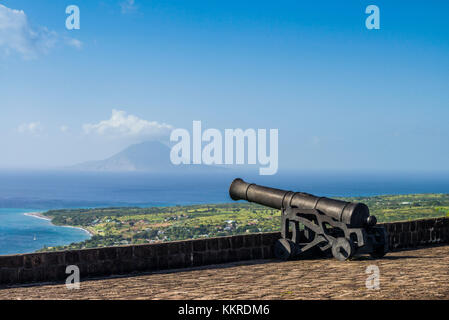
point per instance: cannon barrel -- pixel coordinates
(355, 215)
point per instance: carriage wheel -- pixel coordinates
(284, 249)
(343, 249)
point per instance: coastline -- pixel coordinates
(39, 215)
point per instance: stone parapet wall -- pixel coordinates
(416, 233)
(51, 266)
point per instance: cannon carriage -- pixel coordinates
(310, 224)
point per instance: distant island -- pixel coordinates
(148, 156)
(121, 226)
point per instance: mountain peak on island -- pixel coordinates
(145, 156)
(148, 156)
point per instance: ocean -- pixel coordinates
(20, 233)
(38, 191)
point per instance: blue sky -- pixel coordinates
(343, 97)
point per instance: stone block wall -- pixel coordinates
(51, 266)
(416, 233)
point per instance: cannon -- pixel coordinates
(311, 224)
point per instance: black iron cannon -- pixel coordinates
(310, 223)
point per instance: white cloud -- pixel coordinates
(122, 125)
(128, 6)
(64, 128)
(75, 43)
(32, 128)
(18, 36)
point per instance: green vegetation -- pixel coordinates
(118, 226)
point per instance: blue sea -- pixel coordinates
(20, 233)
(38, 191)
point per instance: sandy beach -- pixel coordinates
(39, 215)
(85, 230)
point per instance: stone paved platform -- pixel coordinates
(413, 274)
